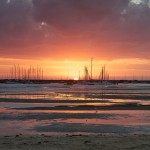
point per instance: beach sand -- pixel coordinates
(120, 113)
(75, 142)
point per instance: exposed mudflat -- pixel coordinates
(75, 142)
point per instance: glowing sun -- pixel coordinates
(75, 78)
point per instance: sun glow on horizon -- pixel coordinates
(76, 79)
(74, 69)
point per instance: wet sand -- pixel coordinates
(75, 142)
(42, 116)
(92, 107)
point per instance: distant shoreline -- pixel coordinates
(69, 82)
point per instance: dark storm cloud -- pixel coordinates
(14, 20)
(121, 25)
(76, 14)
(14, 17)
(17, 28)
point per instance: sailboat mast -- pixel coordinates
(91, 67)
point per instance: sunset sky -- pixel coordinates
(62, 35)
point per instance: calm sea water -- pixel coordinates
(39, 121)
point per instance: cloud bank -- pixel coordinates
(103, 29)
